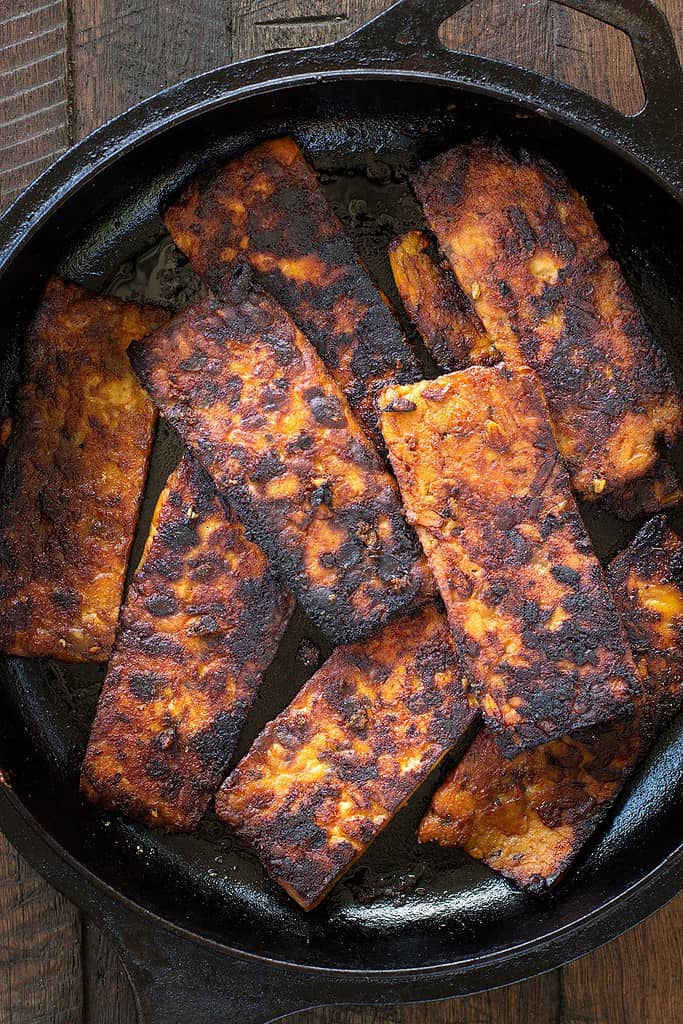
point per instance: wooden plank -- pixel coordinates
(40, 931)
(635, 980)
(123, 51)
(107, 995)
(40, 948)
(554, 41)
(535, 1001)
(585, 50)
(261, 27)
(511, 30)
(360, 1015)
(33, 91)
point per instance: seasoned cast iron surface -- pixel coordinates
(401, 906)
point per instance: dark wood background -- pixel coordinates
(65, 67)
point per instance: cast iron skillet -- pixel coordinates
(204, 935)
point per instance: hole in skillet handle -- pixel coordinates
(409, 33)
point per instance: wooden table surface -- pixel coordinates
(65, 67)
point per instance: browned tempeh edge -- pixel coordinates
(252, 399)
(530, 818)
(524, 245)
(267, 206)
(484, 486)
(435, 303)
(75, 469)
(200, 625)
(327, 774)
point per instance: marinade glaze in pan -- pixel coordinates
(399, 905)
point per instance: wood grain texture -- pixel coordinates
(555, 41)
(107, 995)
(33, 91)
(123, 51)
(52, 970)
(41, 969)
(266, 26)
(635, 980)
(40, 931)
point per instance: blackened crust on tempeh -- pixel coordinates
(323, 779)
(200, 625)
(451, 330)
(530, 818)
(483, 484)
(75, 470)
(523, 244)
(647, 582)
(252, 399)
(267, 206)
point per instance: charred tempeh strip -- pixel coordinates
(251, 397)
(201, 623)
(483, 484)
(267, 205)
(530, 818)
(451, 330)
(455, 337)
(524, 245)
(324, 777)
(73, 477)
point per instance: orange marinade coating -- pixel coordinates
(324, 777)
(524, 245)
(529, 818)
(252, 399)
(485, 488)
(74, 474)
(201, 623)
(455, 337)
(267, 205)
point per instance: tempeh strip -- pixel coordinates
(531, 817)
(201, 623)
(455, 337)
(324, 778)
(523, 244)
(73, 478)
(484, 486)
(267, 205)
(252, 399)
(452, 332)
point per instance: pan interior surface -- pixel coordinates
(402, 906)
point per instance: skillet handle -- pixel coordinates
(415, 24)
(654, 48)
(176, 981)
(410, 28)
